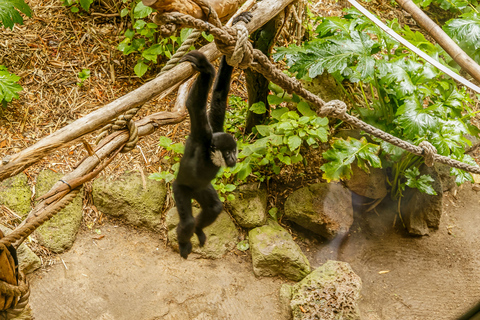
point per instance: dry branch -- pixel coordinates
(265, 11)
(457, 54)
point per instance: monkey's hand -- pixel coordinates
(244, 16)
(199, 62)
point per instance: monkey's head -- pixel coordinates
(224, 153)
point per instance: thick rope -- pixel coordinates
(20, 309)
(27, 229)
(185, 46)
(226, 41)
(123, 121)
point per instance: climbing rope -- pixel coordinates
(225, 39)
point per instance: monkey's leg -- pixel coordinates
(186, 226)
(211, 208)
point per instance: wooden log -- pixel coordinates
(266, 10)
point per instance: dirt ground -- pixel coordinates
(129, 274)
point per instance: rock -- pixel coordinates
(249, 209)
(448, 181)
(127, 198)
(222, 235)
(28, 261)
(371, 185)
(275, 253)
(15, 193)
(324, 208)
(330, 292)
(325, 86)
(421, 211)
(58, 234)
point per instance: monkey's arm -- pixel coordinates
(221, 89)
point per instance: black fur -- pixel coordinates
(206, 138)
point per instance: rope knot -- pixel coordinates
(429, 152)
(240, 55)
(335, 108)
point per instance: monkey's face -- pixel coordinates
(225, 152)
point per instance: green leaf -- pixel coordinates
(140, 69)
(9, 14)
(466, 30)
(258, 108)
(273, 213)
(294, 142)
(422, 183)
(231, 197)
(8, 85)
(74, 9)
(244, 172)
(209, 37)
(305, 109)
(230, 187)
(129, 34)
(85, 4)
(265, 130)
(243, 245)
(178, 148)
(164, 142)
(152, 52)
(274, 99)
(141, 11)
(164, 175)
(124, 12)
(139, 24)
(278, 113)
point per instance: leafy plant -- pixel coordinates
(83, 76)
(10, 12)
(466, 31)
(394, 91)
(73, 4)
(175, 150)
(8, 86)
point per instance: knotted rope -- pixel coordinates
(226, 38)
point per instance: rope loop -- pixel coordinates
(242, 55)
(335, 108)
(123, 121)
(429, 152)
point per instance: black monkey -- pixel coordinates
(206, 149)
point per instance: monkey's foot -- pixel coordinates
(185, 249)
(202, 238)
(199, 62)
(244, 16)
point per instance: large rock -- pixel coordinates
(128, 198)
(420, 211)
(249, 208)
(28, 261)
(275, 253)
(222, 235)
(15, 193)
(330, 292)
(324, 208)
(371, 185)
(447, 180)
(58, 234)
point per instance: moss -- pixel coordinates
(15, 193)
(58, 234)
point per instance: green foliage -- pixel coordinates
(344, 152)
(273, 212)
(401, 94)
(82, 76)
(421, 182)
(73, 4)
(8, 86)
(10, 12)
(466, 32)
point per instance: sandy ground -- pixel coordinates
(129, 274)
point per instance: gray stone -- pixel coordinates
(448, 181)
(330, 292)
(275, 253)
(28, 261)
(249, 209)
(127, 198)
(325, 86)
(222, 235)
(371, 185)
(58, 234)
(420, 211)
(15, 193)
(324, 208)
